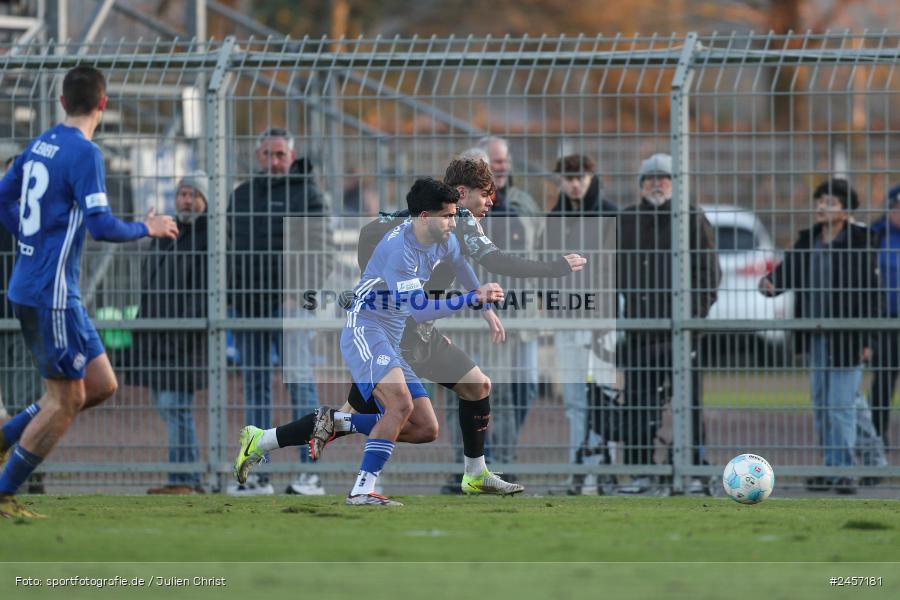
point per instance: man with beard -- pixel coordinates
(282, 187)
(173, 363)
(644, 274)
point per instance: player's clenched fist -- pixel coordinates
(489, 292)
(576, 262)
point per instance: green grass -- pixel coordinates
(541, 547)
(756, 389)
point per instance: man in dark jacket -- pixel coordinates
(283, 187)
(886, 360)
(173, 363)
(645, 280)
(20, 383)
(574, 224)
(832, 269)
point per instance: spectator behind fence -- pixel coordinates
(645, 280)
(886, 357)
(20, 384)
(573, 225)
(832, 269)
(172, 362)
(7, 338)
(501, 163)
(282, 187)
(519, 207)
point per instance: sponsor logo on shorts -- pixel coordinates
(79, 361)
(383, 359)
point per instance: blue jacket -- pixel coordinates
(889, 262)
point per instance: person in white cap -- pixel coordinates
(645, 280)
(172, 364)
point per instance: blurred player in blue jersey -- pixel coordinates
(55, 189)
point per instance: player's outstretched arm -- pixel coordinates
(502, 263)
(104, 227)
(423, 308)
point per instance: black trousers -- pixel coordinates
(647, 362)
(886, 365)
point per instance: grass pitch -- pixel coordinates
(440, 547)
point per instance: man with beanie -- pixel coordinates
(172, 363)
(886, 360)
(832, 269)
(645, 280)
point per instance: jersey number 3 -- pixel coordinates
(30, 208)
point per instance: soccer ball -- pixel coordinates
(748, 479)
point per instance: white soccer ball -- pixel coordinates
(748, 479)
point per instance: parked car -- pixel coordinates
(746, 253)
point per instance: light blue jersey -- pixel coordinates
(398, 268)
(59, 180)
(390, 291)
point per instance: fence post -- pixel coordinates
(216, 157)
(681, 263)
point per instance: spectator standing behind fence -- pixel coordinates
(645, 280)
(282, 187)
(520, 211)
(20, 384)
(172, 362)
(886, 357)
(573, 226)
(832, 270)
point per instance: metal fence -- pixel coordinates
(753, 124)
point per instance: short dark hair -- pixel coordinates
(83, 89)
(472, 173)
(429, 195)
(276, 132)
(840, 189)
(574, 164)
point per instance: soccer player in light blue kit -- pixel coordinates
(54, 190)
(390, 291)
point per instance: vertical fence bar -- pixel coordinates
(216, 161)
(681, 263)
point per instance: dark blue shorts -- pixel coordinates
(62, 341)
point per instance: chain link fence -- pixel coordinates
(694, 366)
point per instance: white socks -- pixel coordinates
(342, 421)
(268, 441)
(365, 483)
(474, 466)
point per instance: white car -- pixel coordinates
(746, 254)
